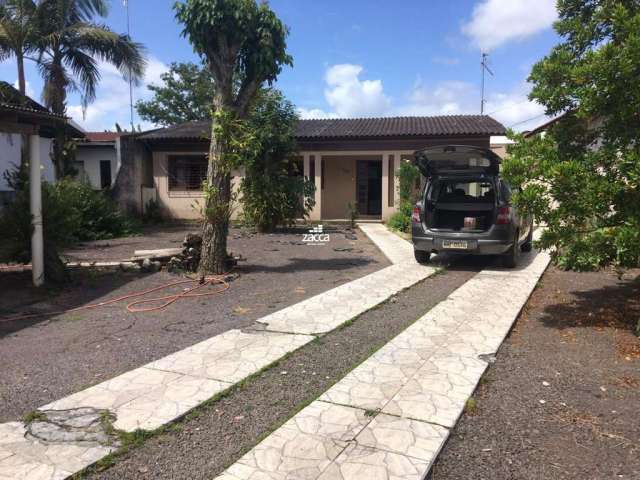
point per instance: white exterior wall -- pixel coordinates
(10, 148)
(90, 157)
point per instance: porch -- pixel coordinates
(364, 180)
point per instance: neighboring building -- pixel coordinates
(98, 158)
(542, 128)
(21, 116)
(499, 144)
(351, 161)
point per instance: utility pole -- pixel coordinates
(126, 5)
(483, 67)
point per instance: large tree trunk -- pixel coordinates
(215, 227)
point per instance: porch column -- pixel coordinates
(385, 187)
(35, 197)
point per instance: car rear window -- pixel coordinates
(462, 191)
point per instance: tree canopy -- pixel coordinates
(581, 177)
(184, 95)
(273, 189)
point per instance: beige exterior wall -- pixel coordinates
(182, 205)
(331, 202)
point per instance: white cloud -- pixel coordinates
(495, 22)
(348, 96)
(112, 98)
(27, 87)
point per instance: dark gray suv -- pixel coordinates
(465, 206)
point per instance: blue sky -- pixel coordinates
(360, 57)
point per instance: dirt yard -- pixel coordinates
(48, 357)
(562, 400)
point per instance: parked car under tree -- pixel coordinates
(465, 207)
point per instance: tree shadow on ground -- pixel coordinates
(616, 305)
(20, 297)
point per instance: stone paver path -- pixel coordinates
(390, 416)
(161, 391)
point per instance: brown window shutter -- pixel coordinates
(391, 186)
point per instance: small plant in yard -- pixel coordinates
(408, 174)
(352, 211)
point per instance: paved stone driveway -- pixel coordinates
(155, 394)
(390, 416)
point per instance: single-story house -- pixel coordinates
(97, 158)
(21, 117)
(350, 160)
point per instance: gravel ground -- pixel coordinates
(561, 401)
(47, 358)
(202, 446)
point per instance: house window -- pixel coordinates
(187, 172)
(105, 174)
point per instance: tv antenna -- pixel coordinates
(126, 5)
(483, 67)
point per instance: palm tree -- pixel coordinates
(70, 46)
(18, 33)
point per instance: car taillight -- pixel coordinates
(504, 216)
(415, 215)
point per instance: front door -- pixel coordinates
(369, 187)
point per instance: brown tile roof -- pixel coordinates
(101, 136)
(448, 125)
(12, 99)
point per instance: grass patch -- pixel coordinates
(371, 413)
(34, 416)
(470, 406)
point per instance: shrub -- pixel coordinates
(401, 220)
(408, 174)
(71, 212)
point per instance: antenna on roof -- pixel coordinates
(126, 6)
(483, 67)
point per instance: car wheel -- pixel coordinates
(510, 259)
(421, 256)
(527, 246)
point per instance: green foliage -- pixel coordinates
(581, 178)
(352, 211)
(274, 192)
(254, 40)
(184, 95)
(408, 174)
(244, 45)
(401, 220)
(152, 212)
(71, 212)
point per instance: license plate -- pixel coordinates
(455, 244)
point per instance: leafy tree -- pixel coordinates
(70, 46)
(244, 46)
(18, 34)
(274, 191)
(183, 96)
(582, 177)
